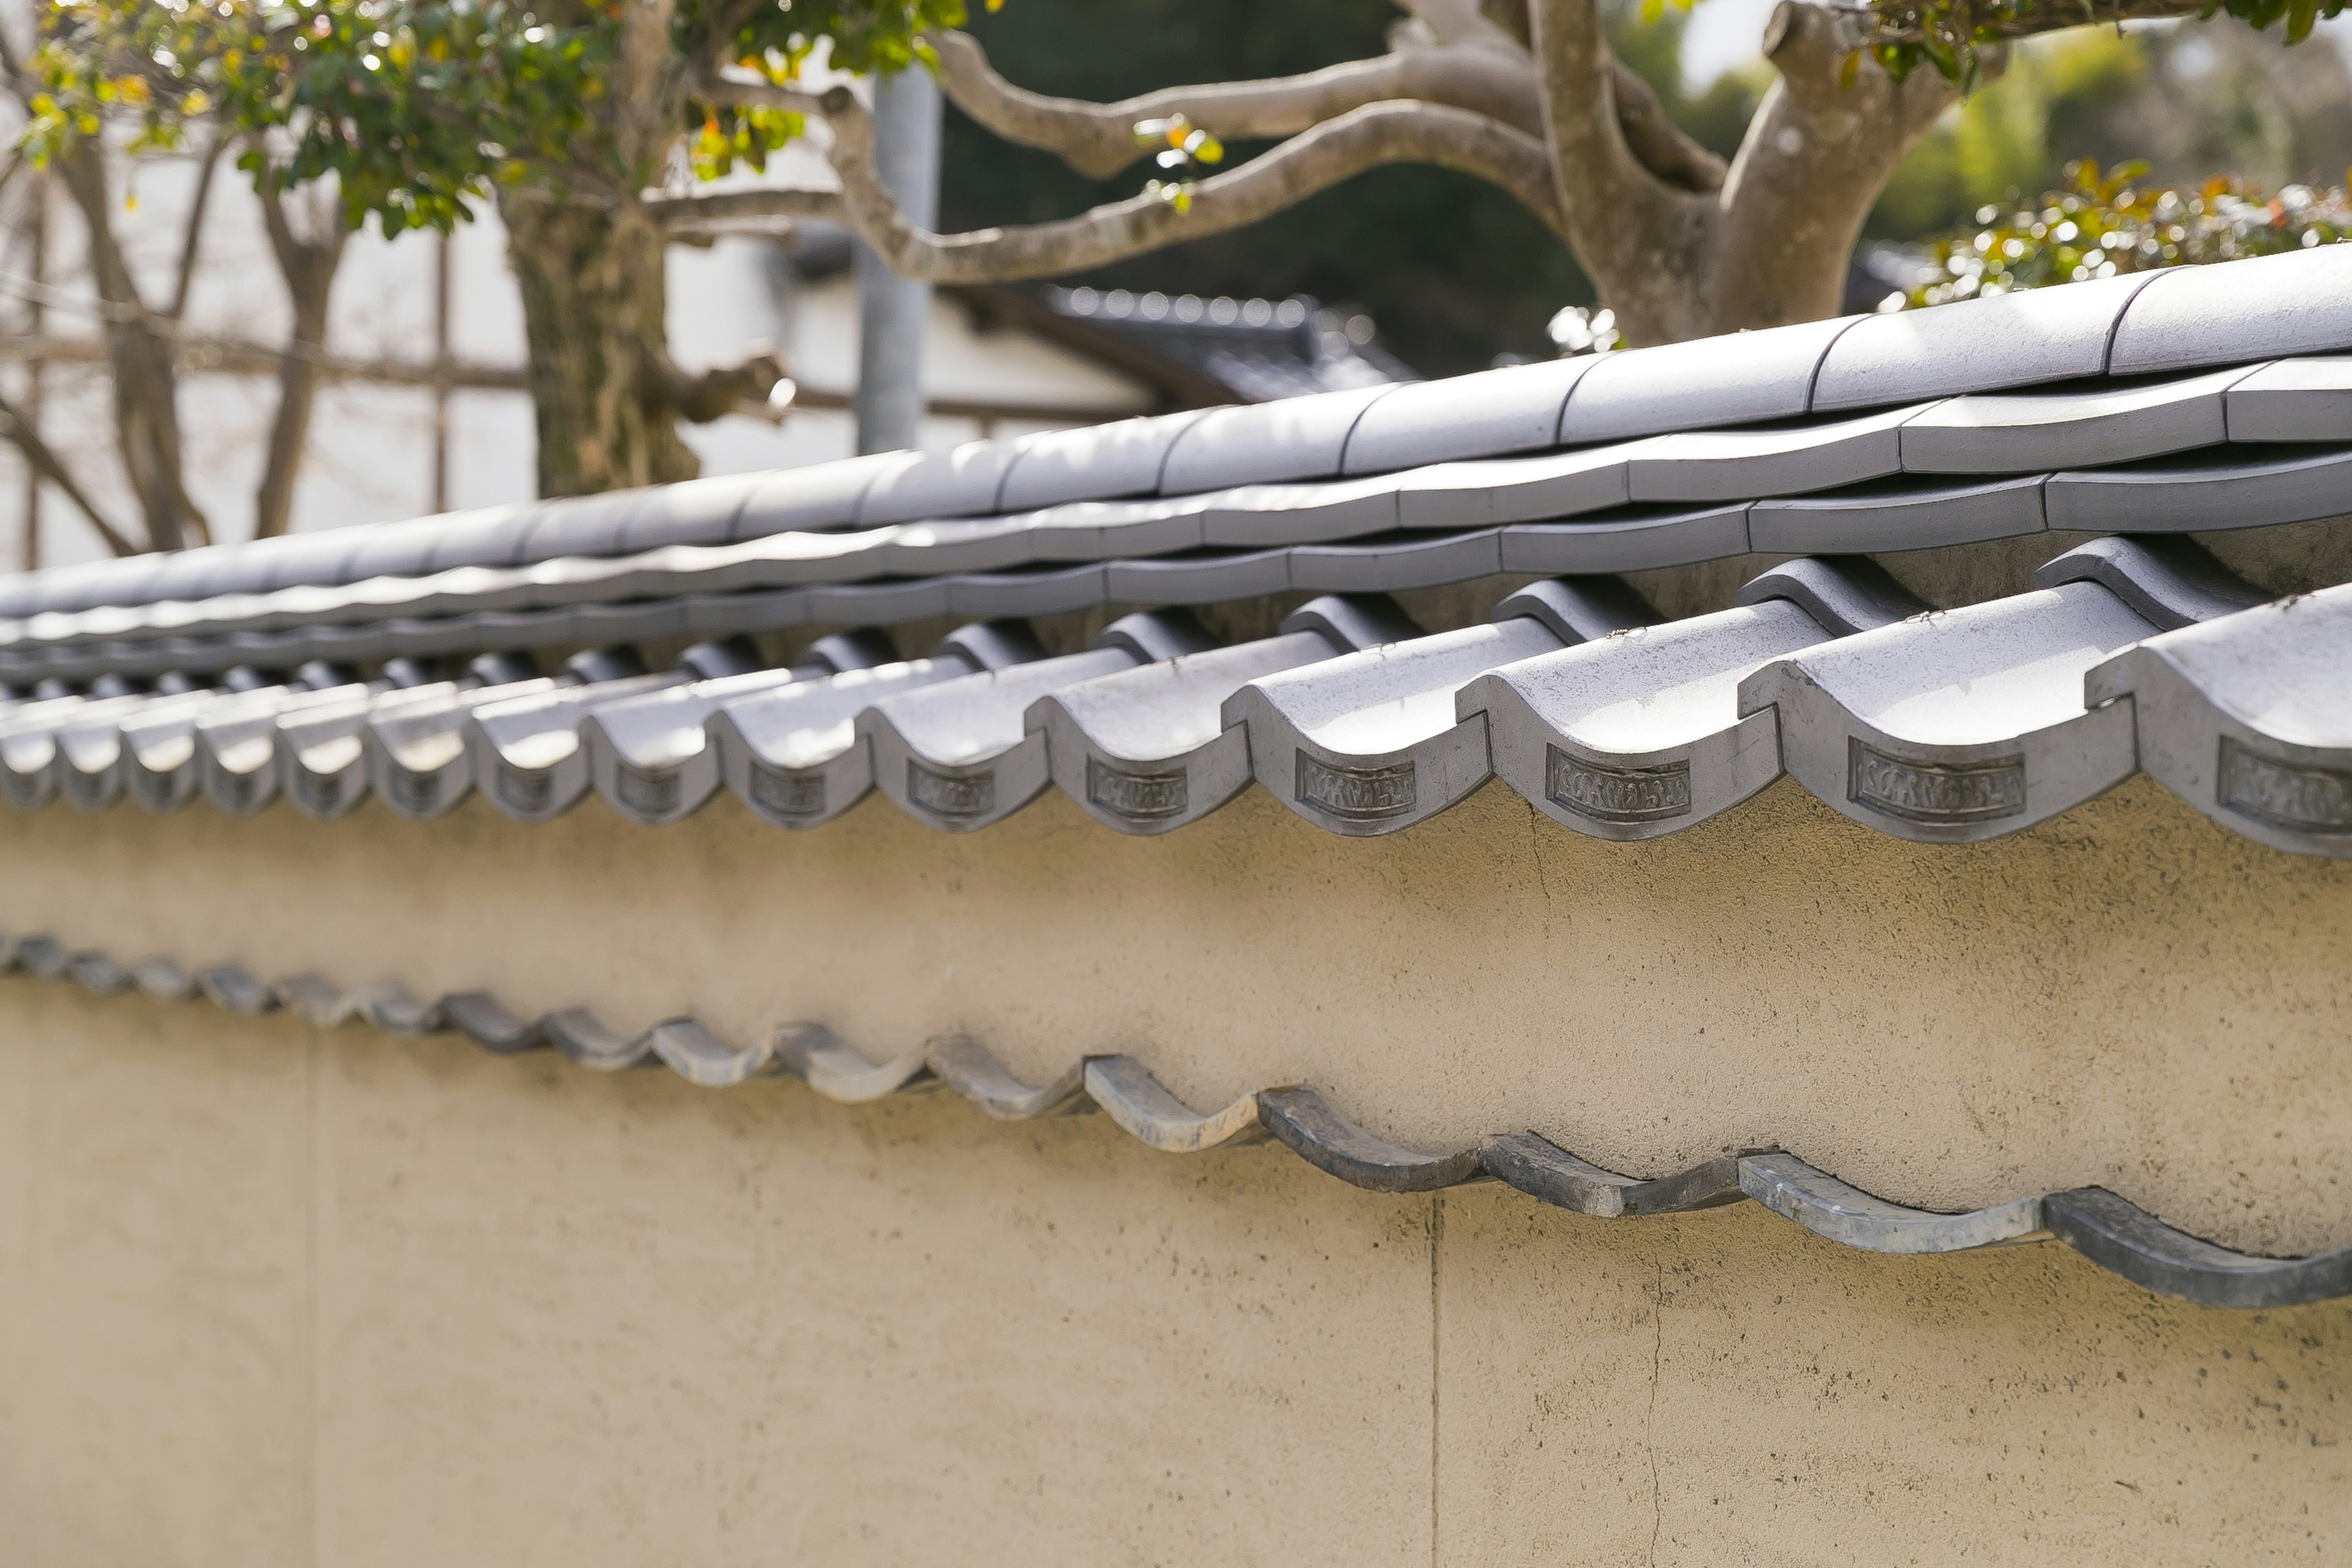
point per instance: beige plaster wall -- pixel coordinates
(271, 1295)
(2127, 995)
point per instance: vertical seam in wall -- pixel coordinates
(310, 1202)
(1436, 1238)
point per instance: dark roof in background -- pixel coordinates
(1193, 352)
(1257, 350)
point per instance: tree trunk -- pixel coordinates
(298, 392)
(592, 282)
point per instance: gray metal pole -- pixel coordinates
(892, 311)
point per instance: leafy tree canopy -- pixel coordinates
(415, 106)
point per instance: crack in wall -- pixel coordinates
(1649, 1430)
(1436, 1237)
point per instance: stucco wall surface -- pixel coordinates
(2127, 995)
(277, 1296)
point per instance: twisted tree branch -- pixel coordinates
(1335, 151)
(1098, 139)
(1487, 74)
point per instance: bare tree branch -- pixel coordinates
(701, 213)
(1656, 141)
(1333, 152)
(1098, 139)
(21, 433)
(191, 241)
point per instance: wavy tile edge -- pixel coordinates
(2104, 1228)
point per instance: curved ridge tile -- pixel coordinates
(2122, 1237)
(1310, 1127)
(2307, 399)
(1829, 1207)
(1395, 563)
(1649, 538)
(815, 1055)
(958, 483)
(966, 1066)
(1900, 515)
(1144, 1108)
(1958, 726)
(1537, 1166)
(1774, 460)
(2257, 308)
(818, 497)
(2232, 487)
(2011, 433)
(2248, 718)
(1514, 490)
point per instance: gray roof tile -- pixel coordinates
(2294, 400)
(1097, 462)
(1638, 542)
(1148, 750)
(1977, 345)
(1266, 443)
(1485, 415)
(494, 537)
(524, 752)
(2248, 718)
(1959, 726)
(1774, 460)
(2226, 489)
(962, 483)
(2299, 302)
(1735, 379)
(1369, 742)
(822, 496)
(1639, 733)
(2006, 433)
(1897, 516)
